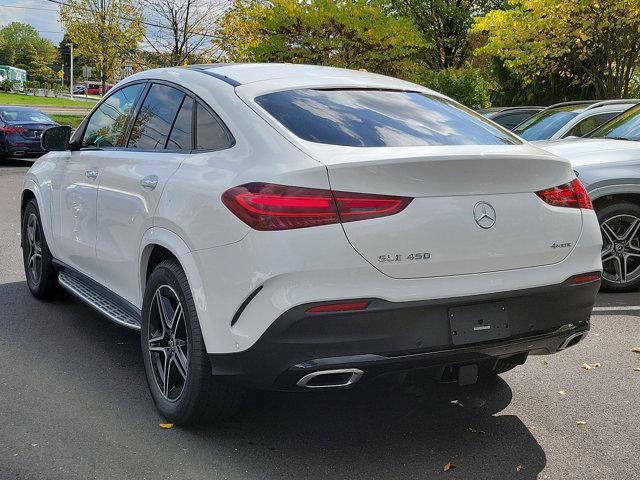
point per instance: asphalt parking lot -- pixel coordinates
(74, 405)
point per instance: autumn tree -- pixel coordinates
(343, 33)
(587, 43)
(105, 31)
(444, 25)
(180, 30)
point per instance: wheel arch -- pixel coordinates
(617, 197)
(157, 245)
(30, 191)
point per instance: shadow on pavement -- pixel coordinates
(404, 431)
(17, 162)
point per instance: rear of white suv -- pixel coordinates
(351, 225)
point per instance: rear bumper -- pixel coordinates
(11, 146)
(395, 337)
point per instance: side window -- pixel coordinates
(107, 123)
(181, 137)
(155, 118)
(210, 133)
(590, 123)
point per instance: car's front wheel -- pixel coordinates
(620, 227)
(175, 359)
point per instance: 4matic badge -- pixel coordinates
(555, 245)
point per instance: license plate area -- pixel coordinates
(478, 323)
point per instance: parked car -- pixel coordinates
(570, 119)
(79, 89)
(20, 130)
(299, 228)
(608, 164)
(509, 117)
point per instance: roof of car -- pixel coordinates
(243, 73)
(17, 107)
(584, 105)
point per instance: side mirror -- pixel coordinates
(56, 139)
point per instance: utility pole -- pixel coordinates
(71, 71)
(103, 25)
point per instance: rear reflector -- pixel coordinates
(572, 194)
(265, 206)
(339, 307)
(585, 278)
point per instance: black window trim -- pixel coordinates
(134, 114)
(83, 126)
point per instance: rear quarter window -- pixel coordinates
(379, 118)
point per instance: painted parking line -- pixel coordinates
(624, 308)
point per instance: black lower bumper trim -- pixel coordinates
(395, 337)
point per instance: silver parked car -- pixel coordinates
(607, 161)
(571, 119)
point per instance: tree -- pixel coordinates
(36, 66)
(445, 24)
(182, 28)
(17, 36)
(105, 31)
(585, 43)
(343, 33)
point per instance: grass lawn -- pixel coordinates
(21, 99)
(72, 120)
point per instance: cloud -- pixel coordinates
(41, 15)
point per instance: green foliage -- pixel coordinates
(355, 34)
(35, 64)
(21, 46)
(20, 99)
(444, 25)
(6, 85)
(560, 43)
(104, 37)
(72, 120)
(466, 85)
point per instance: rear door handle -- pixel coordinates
(92, 174)
(150, 182)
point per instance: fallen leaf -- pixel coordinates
(544, 362)
(635, 349)
(449, 466)
(637, 369)
(519, 467)
(581, 423)
(457, 402)
(473, 430)
(562, 392)
(589, 366)
(166, 425)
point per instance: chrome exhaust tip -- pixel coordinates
(331, 378)
(18, 153)
(571, 340)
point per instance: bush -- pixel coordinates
(6, 85)
(466, 85)
(59, 89)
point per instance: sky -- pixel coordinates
(41, 14)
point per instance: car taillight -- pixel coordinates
(11, 130)
(265, 206)
(572, 194)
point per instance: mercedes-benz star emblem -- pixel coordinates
(484, 215)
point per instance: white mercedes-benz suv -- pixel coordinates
(299, 227)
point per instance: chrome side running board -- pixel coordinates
(95, 299)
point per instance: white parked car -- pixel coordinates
(571, 119)
(297, 227)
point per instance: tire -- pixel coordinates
(185, 393)
(42, 278)
(620, 227)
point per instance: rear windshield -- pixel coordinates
(24, 116)
(543, 125)
(379, 118)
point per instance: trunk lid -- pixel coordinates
(474, 209)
